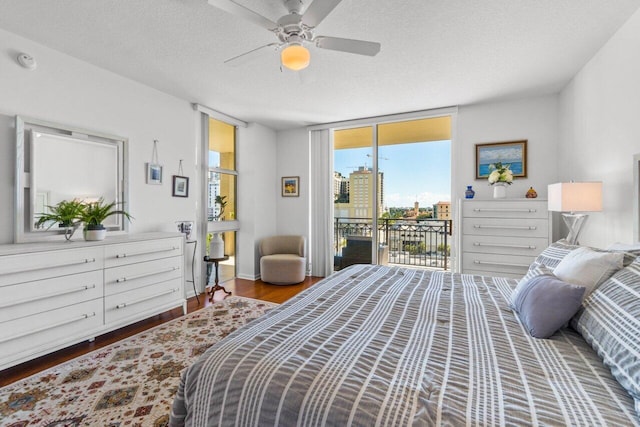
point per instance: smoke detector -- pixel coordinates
(27, 61)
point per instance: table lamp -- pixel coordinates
(572, 198)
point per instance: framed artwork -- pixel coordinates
(512, 153)
(180, 186)
(290, 186)
(154, 173)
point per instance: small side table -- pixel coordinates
(193, 265)
(217, 287)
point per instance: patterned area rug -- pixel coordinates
(129, 383)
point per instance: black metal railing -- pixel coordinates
(422, 242)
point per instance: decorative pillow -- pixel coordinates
(534, 270)
(610, 322)
(545, 303)
(555, 253)
(588, 268)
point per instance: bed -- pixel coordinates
(377, 345)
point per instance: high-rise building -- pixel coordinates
(442, 210)
(360, 191)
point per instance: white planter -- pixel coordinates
(499, 190)
(92, 235)
(216, 247)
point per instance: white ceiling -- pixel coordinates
(435, 53)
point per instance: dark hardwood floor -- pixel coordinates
(246, 288)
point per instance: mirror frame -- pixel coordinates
(24, 218)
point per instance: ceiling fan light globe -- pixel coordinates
(295, 57)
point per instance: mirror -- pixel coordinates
(57, 163)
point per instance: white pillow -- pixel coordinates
(588, 268)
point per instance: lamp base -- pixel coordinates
(574, 223)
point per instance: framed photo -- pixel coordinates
(512, 153)
(180, 186)
(290, 186)
(154, 173)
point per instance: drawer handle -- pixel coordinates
(126, 304)
(140, 276)
(500, 245)
(49, 295)
(52, 326)
(46, 267)
(507, 227)
(505, 210)
(500, 263)
(155, 251)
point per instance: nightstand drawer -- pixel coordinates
(29, 298)
(506, 227)
(120, 307)
(42, 332)
(531, 246)
(505, 209)
(36, 266)
(128, 277)
(514, 264)
(130, 253)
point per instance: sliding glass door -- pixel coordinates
(394, 178)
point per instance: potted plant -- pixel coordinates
(94, 214)
(220, 200)
(67, 214)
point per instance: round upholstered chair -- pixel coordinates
(282, 259)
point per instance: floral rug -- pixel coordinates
(129, 383)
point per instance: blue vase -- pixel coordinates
(469, 193)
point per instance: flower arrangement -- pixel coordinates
(500, 173)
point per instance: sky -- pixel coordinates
(419, 171)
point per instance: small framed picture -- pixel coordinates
(154, 173)
(290, 186)
(180, 186)
(512, 153)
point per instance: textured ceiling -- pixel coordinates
(434, 53)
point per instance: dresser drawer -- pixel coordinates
(133, 303)
(41, 333)
(128, 277)
(130, 253)
(29, 298)
(505, 209)
(506, 227)
(36, 266)
(483, 262)
(531, 246)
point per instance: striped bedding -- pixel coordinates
(373, 345)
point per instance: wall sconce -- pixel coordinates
(572, 197)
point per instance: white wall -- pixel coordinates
(70, 92)
(293, 160)
(535, 120)
(600, 133)
(257, 195)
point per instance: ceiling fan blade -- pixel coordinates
(317, 11)
(241, 11)
(251, 55)
(359, 47)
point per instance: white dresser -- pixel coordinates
(55, 294)
(502, 237)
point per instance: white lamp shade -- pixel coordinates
(295, 57)
(575, 197)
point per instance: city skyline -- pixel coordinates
(412, 172)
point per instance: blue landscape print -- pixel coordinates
(506, 154)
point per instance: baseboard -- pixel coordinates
(246, 277)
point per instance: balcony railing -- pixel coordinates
(421, 243)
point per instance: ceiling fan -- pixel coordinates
(295, 31)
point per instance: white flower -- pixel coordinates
(500, 173)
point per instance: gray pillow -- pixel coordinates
(545, 303)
